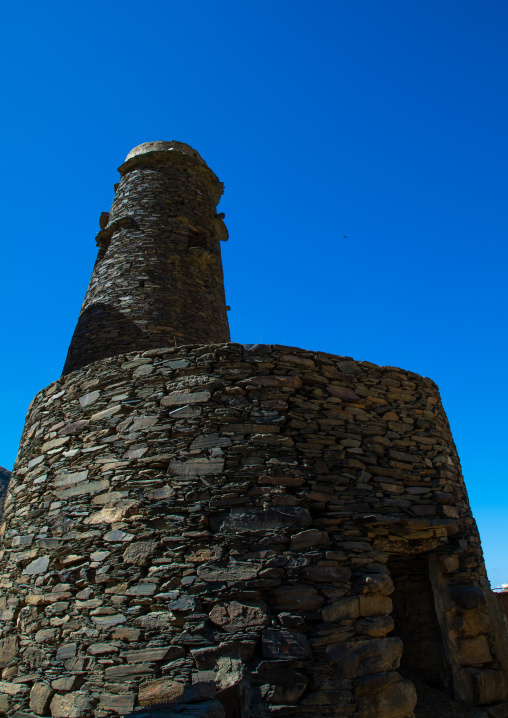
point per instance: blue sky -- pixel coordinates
(381, 121)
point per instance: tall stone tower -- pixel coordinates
(158, 276)
(205, 529)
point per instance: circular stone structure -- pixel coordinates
(164, 146)
(245, 515)
(216, 530)
(158, 279)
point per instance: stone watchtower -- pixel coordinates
(158, 276)
(234, 531)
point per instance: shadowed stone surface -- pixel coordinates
(206, 529)
(5, 475)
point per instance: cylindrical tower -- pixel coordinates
(158, 277)
(230, 531)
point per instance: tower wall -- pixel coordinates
(285, 527)
(232, 514)
(158, 276)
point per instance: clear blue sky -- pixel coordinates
(383, 121)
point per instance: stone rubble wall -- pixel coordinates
(5, 475)
(225, 513)
(158, 277)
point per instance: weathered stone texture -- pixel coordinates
(158, 276)
(203, 529)
(4, 482)
(230, 514)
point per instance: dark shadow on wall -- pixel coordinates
(101, 332)
(5, 475)
(416, 622)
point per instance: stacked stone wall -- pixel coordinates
(226, 513)
(158, 277)
(4, 482)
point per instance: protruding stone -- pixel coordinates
(360, 658)
(236, 616)
(162, 690)
(40, 698)
(139, 553)
(71, 705)
(393, 701)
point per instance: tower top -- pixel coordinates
(164, 146)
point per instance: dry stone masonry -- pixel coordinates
(4, 482)
(158, 276)
(237, 531)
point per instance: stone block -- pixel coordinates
(275, 517)
(490, 686)
(13, 689)
(231, 573)
(156, 620)
(123, 633)
(286, 695)
(67, 651)
(111, 514)
(343, 609)
(207, 658)
(326, 574)
(342, 392)
(235, 615)
(284, 644)
(109, 621)
(197, 397)
(304, 540)
(449, 563)
(162, 690)
(65, 480)
(127, 672)
(101, 649)
(40, 698)
(167, 653)
(378, 583)
(139, 553)
(67, 683)
(474, 651)
(197, 467)
(71, 705)
(296, 597)
(375, 682)
(468, 624)
(360, 658)
(396, 700)
(118, 703)
(9, 648)
(141, 589)
(38, 566)
(199, 691)
(375, 605)
(374, 626)
(468, 597)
